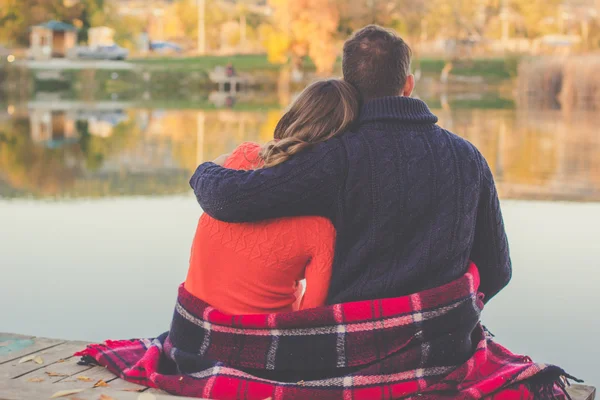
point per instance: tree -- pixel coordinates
(355, 14)
(182, 18)
(302, 28)
(17, 16)
(537, 17)
(91, 13)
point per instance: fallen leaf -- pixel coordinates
(50, 373)
(100, 383)
(38, 360)
(105, 397)
(62, 360)
(132, 390)
(35, 380)
(63, 393)
(84, 379)
(25, 359)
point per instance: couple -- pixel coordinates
(411, 203)
(393, 222)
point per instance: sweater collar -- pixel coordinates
(405, 109)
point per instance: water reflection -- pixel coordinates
(57, 148)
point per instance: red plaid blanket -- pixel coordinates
(429, 345)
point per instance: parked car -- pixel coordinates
(112, 52)
(165, 47)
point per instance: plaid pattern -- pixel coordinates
(401, 348)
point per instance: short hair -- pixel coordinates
(377, 62)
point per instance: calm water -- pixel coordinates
(96, 218)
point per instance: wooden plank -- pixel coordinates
(94, 374)
(100, 373)
(13, 347)
(18, 390)
(14, 369)
(57, 371)
(120, 384)
(14, 336)
(26, 389)
(96, 394)
(156, 391)
(581, 392)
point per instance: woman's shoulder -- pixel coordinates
(316, 229)
(245, 156)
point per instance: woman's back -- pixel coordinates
(255, 268)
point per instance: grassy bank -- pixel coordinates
(494, 69)
(250, 62)
(176, 78)
(488, 68)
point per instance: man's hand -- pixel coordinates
(221, 159)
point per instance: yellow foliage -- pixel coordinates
(303, 27)
(267, 129)
(172, 24)
(277, 44)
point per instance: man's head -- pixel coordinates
(377, 62)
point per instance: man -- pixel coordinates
(411, 202)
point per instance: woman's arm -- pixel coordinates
(318, 271)
(307, 184)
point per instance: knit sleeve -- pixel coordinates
(307, 184)
(244, 157)
(490, 248)
(318, 270)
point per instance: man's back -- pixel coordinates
(411, 203)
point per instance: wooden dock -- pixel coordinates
(33, 368)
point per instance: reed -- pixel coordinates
(571, 83)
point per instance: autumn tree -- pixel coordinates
(302, 28)
(537, 17)
(17, 16)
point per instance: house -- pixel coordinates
(101, 36)
(51, 128)
(52, 39)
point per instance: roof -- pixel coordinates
(58, 26)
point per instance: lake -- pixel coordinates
(96, 216)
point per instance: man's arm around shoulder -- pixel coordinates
(309, 183)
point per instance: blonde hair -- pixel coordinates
(323, 110)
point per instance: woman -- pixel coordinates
(256, 268)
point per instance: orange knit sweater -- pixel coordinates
(256, 268)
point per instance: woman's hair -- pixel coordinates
(320, 112)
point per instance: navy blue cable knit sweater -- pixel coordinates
(411, 203)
